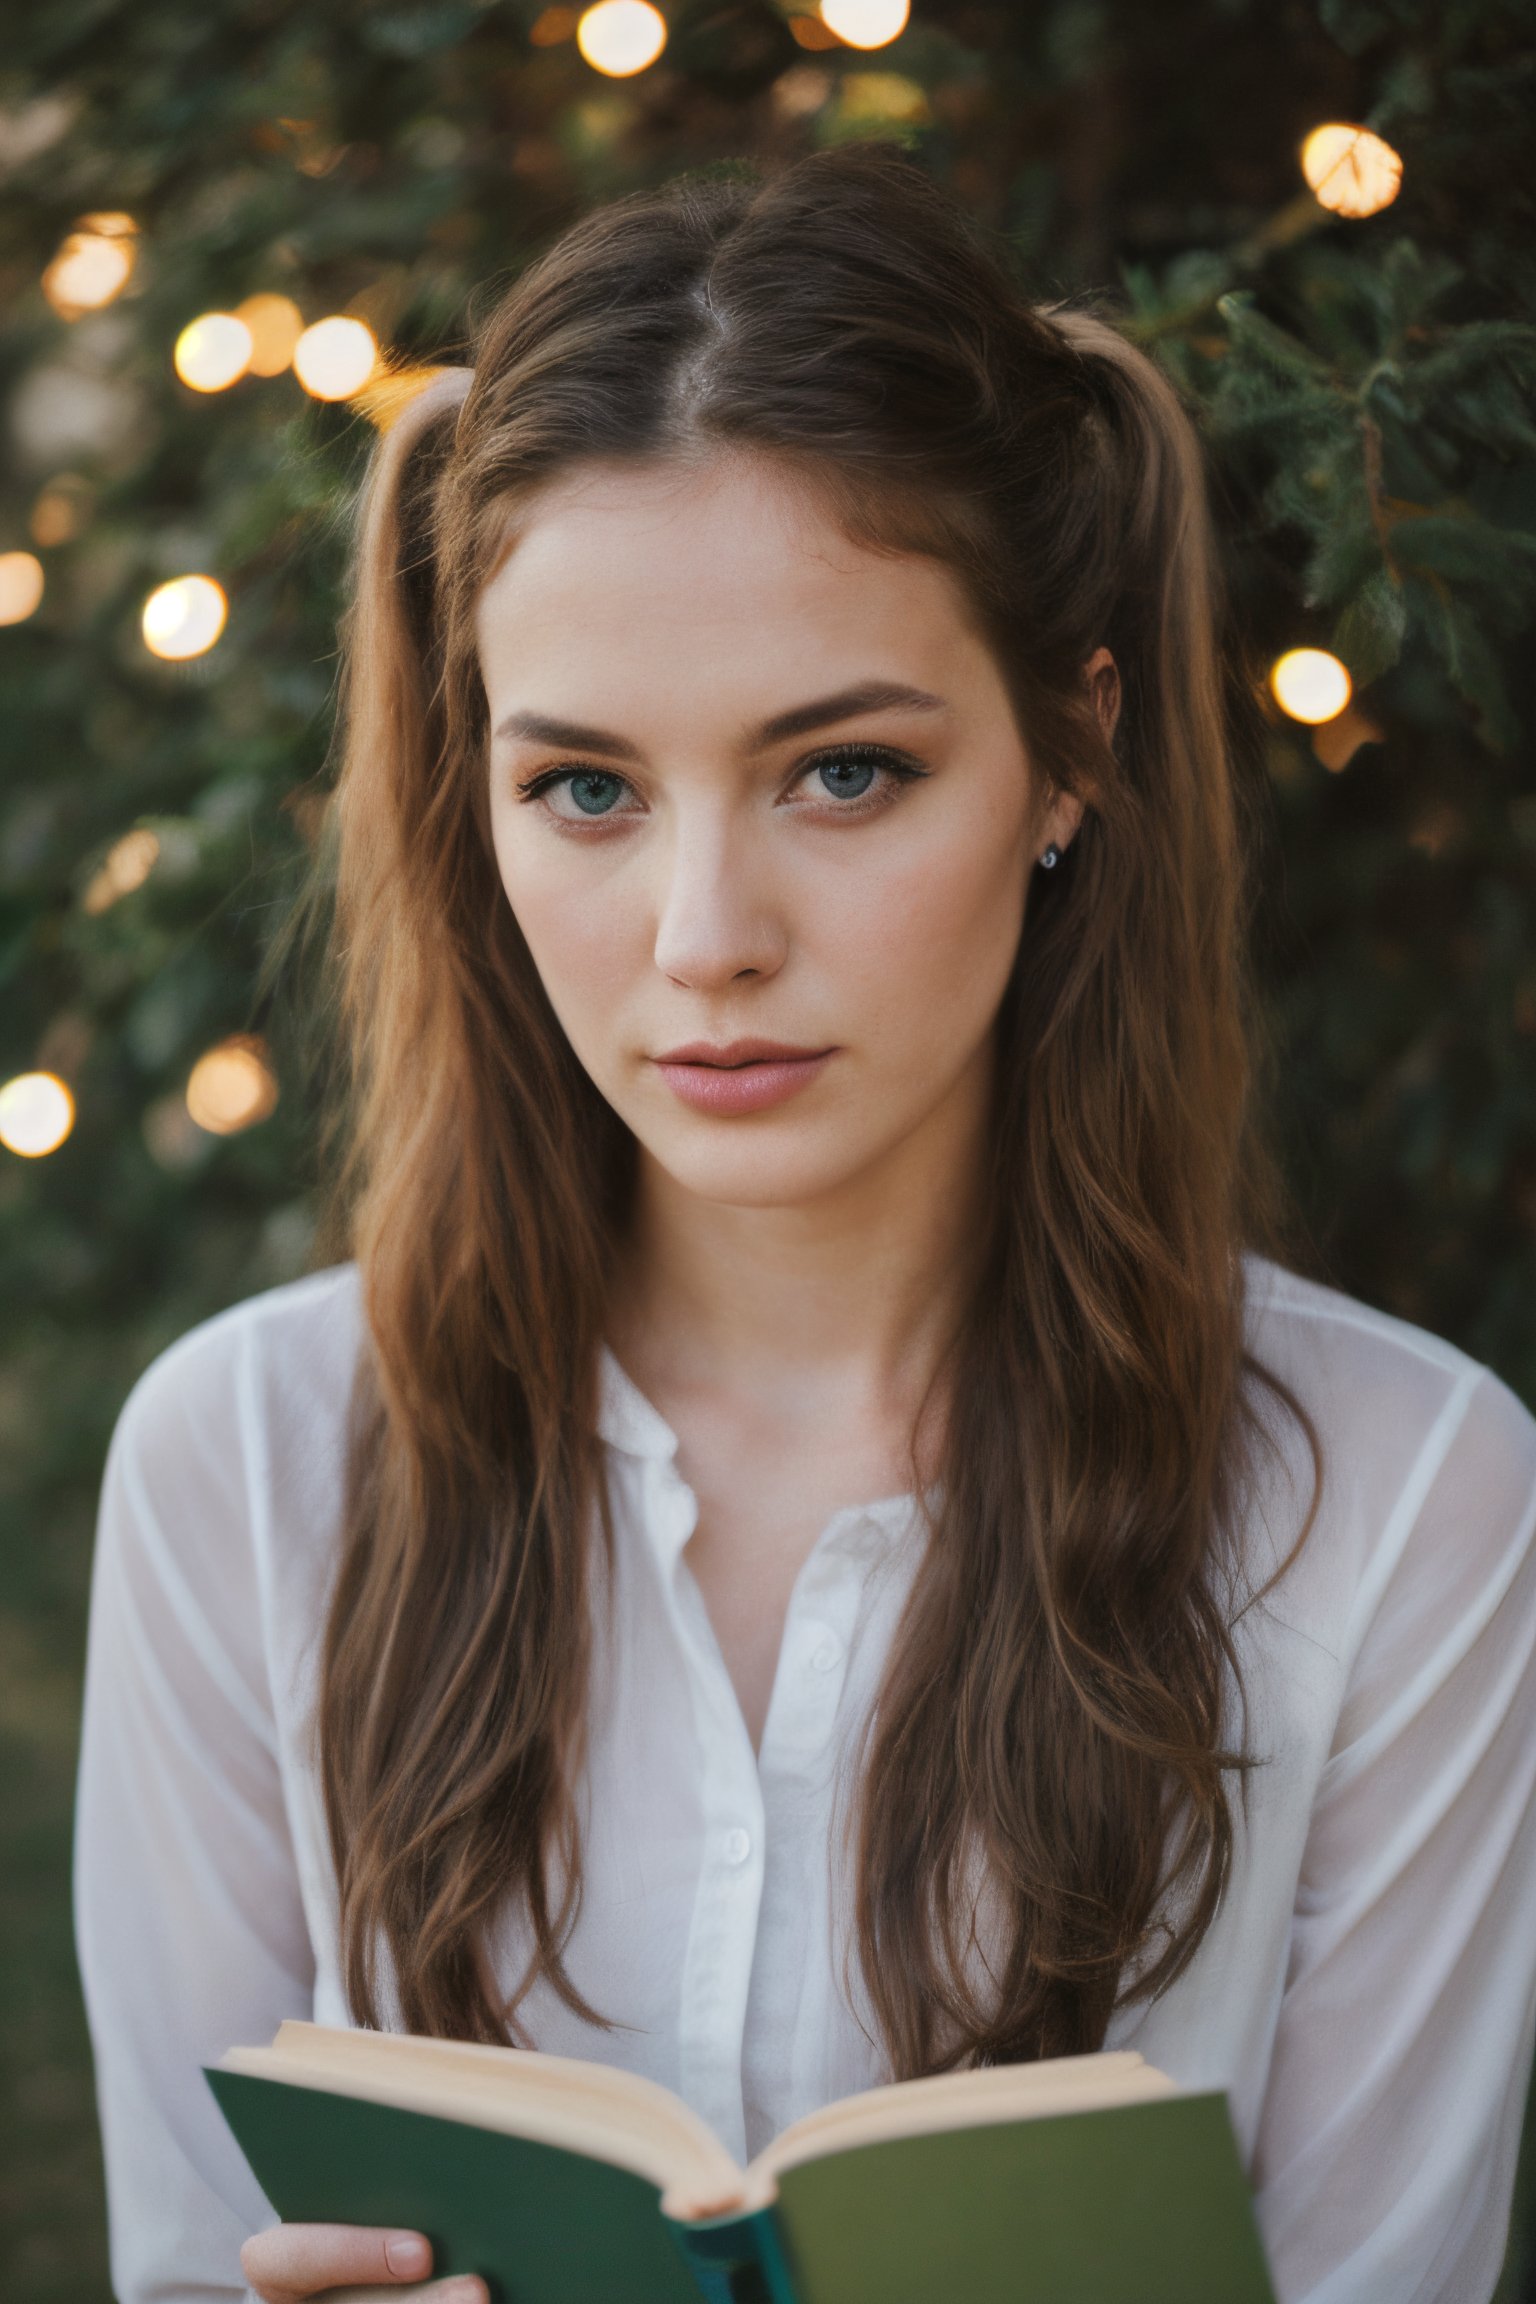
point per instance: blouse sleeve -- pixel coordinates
(1391, 2123)
(189, 1922)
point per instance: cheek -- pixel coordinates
(583, 926)
(931, 941)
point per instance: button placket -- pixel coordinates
(794, 2007)
(808, 1687)
(722, 1936)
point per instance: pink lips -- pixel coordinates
(742, 1076)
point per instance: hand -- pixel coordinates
(296, 2261)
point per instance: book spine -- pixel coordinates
(737, 2259)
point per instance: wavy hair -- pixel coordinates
(1054, 1719)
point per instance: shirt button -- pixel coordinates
(825, 1657)
(736, 1846)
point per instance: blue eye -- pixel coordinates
(594, 792)
(853, 772)
(580, 795)
(846, 777)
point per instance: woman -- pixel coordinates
(807, 1546)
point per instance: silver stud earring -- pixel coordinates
(1051, 858)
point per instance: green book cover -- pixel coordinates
(1142, 2203)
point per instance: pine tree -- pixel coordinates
(1366, 386)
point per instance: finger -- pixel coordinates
(294, 2261)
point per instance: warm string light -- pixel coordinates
(93, 265)
(1335, 742)
(802, 90)
(232, 1086)
(37, 1112)
(881, 100)
(213, 351)
(621, 37)
(260, 338)
(126, 866)
(866, 23)
(275, 324)
(21, 586)
(62, 508)
(1310, 685)
(171, 1135)
(1351, 171)
(184, 617)
(336, 357)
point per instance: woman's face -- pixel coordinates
(765, 817)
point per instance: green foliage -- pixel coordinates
(1367, 393)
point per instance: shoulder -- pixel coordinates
(289, 1354)
(1305, 1321)
(1423, 1451)
(1357, 1370)
(227, 1465)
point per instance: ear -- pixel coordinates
(1062, 819)
(1103, 677)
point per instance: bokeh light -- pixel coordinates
(801, 91)
(126, 866)
(93, 265)
(866, 23)
(552, 25)
(336, 357)
(184, 618)
(232, 1087)
(1310, 685)
(621, 37)
(876, 101)
(276, 324)
(171, 1135)
(1351, 171)
(62, 508)
(213, 351)
(21, 586)
(37, 1112)
(1335, 742)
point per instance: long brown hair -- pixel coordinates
(1054, 1716)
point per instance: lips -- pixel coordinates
(739, 1076)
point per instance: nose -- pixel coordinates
(716, 920)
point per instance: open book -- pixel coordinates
(1089, 2180)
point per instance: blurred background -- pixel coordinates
(235, 237)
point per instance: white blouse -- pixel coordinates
(1366, 1993)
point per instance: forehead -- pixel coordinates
(734, 568)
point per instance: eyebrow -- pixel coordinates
(801, 720)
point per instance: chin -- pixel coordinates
(761, 1168)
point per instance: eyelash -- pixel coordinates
(899, 766)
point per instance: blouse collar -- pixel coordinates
(625, 1418)
(627, 1422)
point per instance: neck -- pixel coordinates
(852, 1295)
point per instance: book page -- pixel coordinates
(563, 2101)
(965, 2100)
